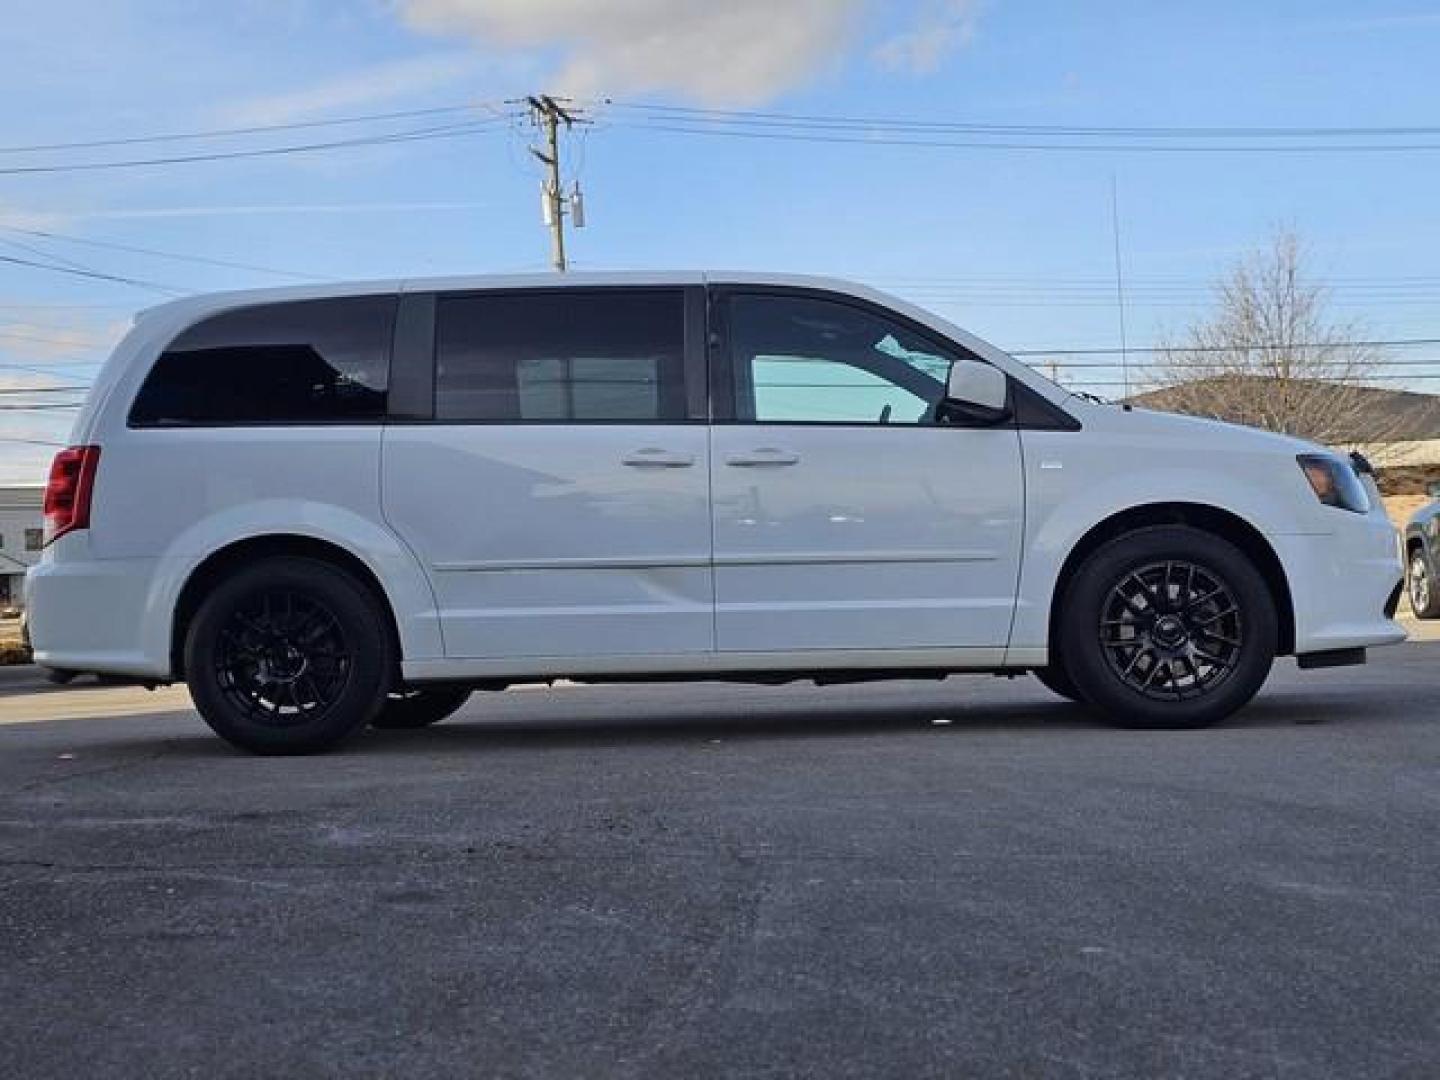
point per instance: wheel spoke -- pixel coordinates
(319, 698)
(1231, 610)
(1211, 658)
(1139, 654)
(1211, 635)
(1154, 668)
(1201, 601)
(1151, 598)
(1194, 673)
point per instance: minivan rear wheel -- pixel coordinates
(288, 656)
(1168, 627)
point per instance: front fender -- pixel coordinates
(1071, 491)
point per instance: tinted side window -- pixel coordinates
(561, 355)
(304, 362)
(799, 359)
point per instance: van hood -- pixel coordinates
(1193, 430)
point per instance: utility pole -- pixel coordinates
(548, 114)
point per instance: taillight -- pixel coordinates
(67, 495)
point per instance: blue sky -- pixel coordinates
(1015, 245)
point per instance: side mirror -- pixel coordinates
(977, 393)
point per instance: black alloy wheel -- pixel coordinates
(289, 655)
(1168, 626)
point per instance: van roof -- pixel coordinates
(244, 297)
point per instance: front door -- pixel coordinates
(847, 514)
(558, 492)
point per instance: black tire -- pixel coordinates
(1420, 585)
(296, 628)
(1055, 679)
(1168, 627)
(419, 708)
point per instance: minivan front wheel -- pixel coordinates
(1168, 627)
(288, 656)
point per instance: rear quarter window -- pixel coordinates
(300, 362)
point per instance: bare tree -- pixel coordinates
(1270, 355)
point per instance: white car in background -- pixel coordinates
(327, 507)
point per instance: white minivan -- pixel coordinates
(330, 507)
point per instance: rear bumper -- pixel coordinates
(1343, 585)
(98, 615)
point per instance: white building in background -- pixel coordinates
(21, 537)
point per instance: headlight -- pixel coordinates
(1335, 483)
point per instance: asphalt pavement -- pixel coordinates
(950, 879)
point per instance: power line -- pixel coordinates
(419, 134)
(1358, 381)
(228, 264)
(694, 114)
(1374, 343)
(137, 282)
(48, 255)
(697, 115)
(819, 136)
(32, 442)
(1379, 364)
(1196, 288)
(255, 129)
(79, 388)
(36, 369)
(46, 306)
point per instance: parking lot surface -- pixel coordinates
(960, 878)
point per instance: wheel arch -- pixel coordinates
(1211, 519)
(226, 560)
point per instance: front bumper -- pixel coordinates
(1343, 584)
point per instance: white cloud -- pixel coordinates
(381, 82)
(728, 52)
(943, 27)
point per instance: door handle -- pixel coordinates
(652, 457)
(765, 455)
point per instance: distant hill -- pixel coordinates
(1402, 415)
